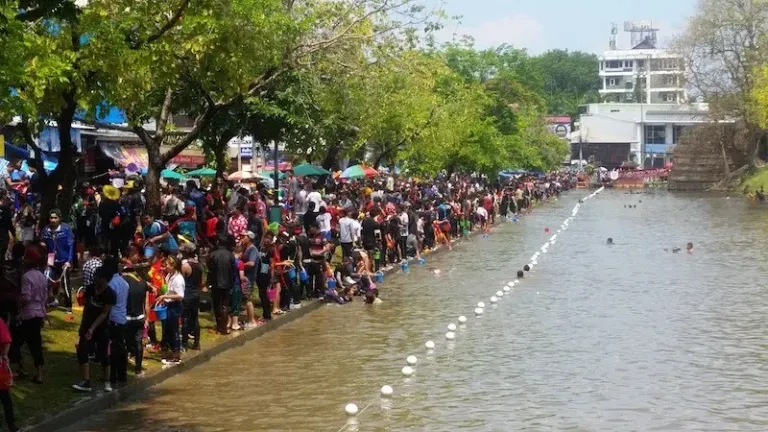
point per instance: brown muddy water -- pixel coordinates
(599, 338)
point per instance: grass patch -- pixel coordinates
(34, 402)
(754, 180)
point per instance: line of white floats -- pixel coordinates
(411, 361)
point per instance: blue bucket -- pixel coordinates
(404, 266)
(331, 283)
(379, 277)
(304, 276)
(292, 273)
(149, 251)
(162, 312)
(422, 261)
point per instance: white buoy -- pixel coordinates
(407, 370)
(545, 251)
(507, 289)
(387, 390)
(535, 263)
(452, 327)
(480, 304)
(478, 311)
(411, 360)
(511, 284)
(450, 336)
(499, 294)
(517, 281)
(462, 319)
(350, 409)
(494, 299)
(429, 345)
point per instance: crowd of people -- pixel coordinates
(241, 246)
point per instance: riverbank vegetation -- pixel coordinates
(331, 80)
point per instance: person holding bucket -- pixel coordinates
(171, 302)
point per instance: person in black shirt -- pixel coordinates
(221, 277)
(108, 209)
(193, 283)
(99, 300)
(310, 217)
(7, 230)
(136, 312)
(369, 230)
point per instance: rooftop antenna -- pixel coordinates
(614, 32)
(643, 34)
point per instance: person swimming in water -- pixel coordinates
(520, 274)
(689, 247)
(527, 268)
(610, 241)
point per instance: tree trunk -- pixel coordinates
(63, 175)
(154, 170)
(331, 156)
(154, 204)
(222, 152)
(726, 167)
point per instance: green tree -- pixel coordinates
(569, 79)
(724, 50)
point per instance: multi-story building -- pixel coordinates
(644, 73)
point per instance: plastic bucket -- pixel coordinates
(404, 266)
(422, 261)
(81, 297)
(272, 294)
(379, 277)
(162, 312)
(149, 251)
(292, 273)
(331, 283)
(304, 276)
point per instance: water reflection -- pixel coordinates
(623, 337)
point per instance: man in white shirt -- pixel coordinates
(347, 231)
(315, 197)
(403, 233)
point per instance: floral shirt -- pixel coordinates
(237, 226)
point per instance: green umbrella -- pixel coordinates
(309, 170)
(171, 175)
(202, 172)
(271, 174)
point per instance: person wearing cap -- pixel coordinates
(59, 240)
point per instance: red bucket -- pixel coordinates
(81, 297)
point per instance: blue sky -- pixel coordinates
(540, 25)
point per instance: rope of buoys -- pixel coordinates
(387, 391)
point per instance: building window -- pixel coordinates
(669, 97)
(670, 80)
(655, 134)
(677, 132)
(669, 63)
(627, 63)
(602, 65)
(614, 64)
(611, 82)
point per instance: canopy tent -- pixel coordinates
(309, 170)
(271, 174)
(359, 171)
(171, 175)
(202, 172)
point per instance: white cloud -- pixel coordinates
(519, 30)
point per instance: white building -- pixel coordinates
(613, 133)
(644, 73)
(642, 76)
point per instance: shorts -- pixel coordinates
(236, 301)
(251, 290)
(412, 242)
